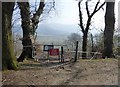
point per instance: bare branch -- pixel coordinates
(40, 8)
(96, 10)
(88, 13)
(15, 20)
(16, 7)
(52, 7)
(35, 5)
(96, 6)
(100, 7)
(81, 17)
(36, 16)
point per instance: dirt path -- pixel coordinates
(83, 72)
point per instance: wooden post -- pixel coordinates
(48, 56)
(76, 51)
(62, 59)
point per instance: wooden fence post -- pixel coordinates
(76, 51)
(62, 58)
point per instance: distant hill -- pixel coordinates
(54, 33)
(48, 30)
(51, 33)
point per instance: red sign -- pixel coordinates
(54, 52)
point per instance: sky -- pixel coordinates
(66, 14)
(63, 20)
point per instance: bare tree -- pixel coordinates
(86, 28)
(99, 42)
(29, 26)
(72, 38)
(109, 30)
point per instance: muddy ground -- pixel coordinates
(83, 72)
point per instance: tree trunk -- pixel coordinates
(84, 45)
(8, 56)
(92, 47)
(29, 26)
(109, 30)
(27, 31)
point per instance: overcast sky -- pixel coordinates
(66, 13)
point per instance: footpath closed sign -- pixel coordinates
(54, 52)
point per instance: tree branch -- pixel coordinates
(95, 9)
(81, 18)
(40, 9)
(90, 16)
(36, 16)
(96, 5)
(52, 7)
(88, 13)
(100, 7)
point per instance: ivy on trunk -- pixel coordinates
(8, 56)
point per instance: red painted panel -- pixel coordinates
(54, 52)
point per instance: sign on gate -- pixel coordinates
(47, 47)
(54, 52)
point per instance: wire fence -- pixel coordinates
(67, 55)
(89, 55)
